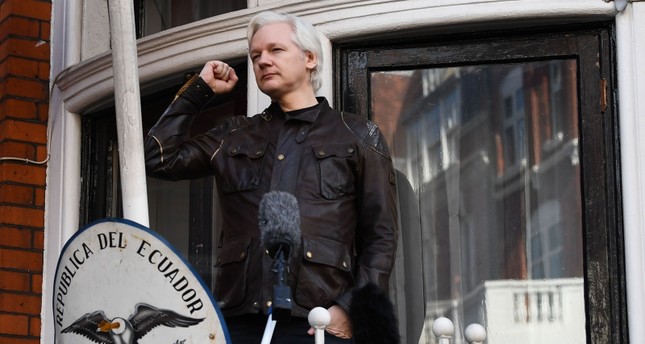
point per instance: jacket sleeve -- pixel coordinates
(169, 151)
(377, 228)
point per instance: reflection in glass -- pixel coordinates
(489, 183)
(154, 16)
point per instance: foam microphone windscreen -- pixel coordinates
(279, 222)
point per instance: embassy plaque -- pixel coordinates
(119, 282)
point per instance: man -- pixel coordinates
(335, 164)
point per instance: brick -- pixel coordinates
(34, 326)
(20, 303)
(29, 48)
(26, 8)
(19, 108)
(45, 30)
(39, 240)
(39, 200)
(21, 260)
(19, 216)
(43, 71)
(23, 131)
(17, 149)
(41, 156)
(22, 67)
(15, 281)
(26, 88)
(17, 195)
(14, 324)
(43, 111)
(13, 237)
(23, 173)
(37, 283)
(18, 340)
(19, 27)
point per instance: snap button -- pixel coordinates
(309, 254)
(344, 264)
(258, 153)
(321, 153)
(280, 156)
(350, 150)
(234, 151)
(242, 255)
(269, 303)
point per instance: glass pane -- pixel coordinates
(169, 213)
(489, 183)
(157, 15)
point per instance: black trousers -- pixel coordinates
(248, 329)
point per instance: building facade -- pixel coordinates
(514, 126)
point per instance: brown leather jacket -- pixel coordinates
(337, 166)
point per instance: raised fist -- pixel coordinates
(219, 76)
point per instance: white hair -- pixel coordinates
(305, 36)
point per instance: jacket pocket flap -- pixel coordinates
(328, 252)
(234, 251)
(252, 151)
(337, 150)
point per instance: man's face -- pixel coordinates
(280, 66)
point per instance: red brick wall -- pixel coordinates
(24, 83)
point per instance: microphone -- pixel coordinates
(279, 223)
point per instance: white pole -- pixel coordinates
(128, 111)
(319, 318)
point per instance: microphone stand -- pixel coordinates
(281, 306)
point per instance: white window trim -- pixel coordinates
(630, 25)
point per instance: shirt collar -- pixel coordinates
(308, 116)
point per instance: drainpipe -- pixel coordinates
(128, 111)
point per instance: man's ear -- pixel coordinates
(311, 60)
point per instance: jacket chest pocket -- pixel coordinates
(241, 167)
(336, 165)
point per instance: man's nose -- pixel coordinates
(264, 59)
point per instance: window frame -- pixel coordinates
(591, 45)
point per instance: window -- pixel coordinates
(505, 178)
(154, 16)
(183, 212)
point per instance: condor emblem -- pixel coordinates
(119, 282)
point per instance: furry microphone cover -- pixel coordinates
(279, 222)
(372, 316)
